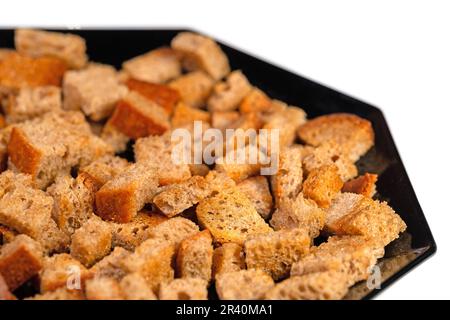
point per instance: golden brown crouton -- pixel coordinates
(112, 136)
(136, 117)
(322, 185)
(257, 191)
(111, 266)
(243, 285)
(227, 95)
(32, 102)
(91, 242)
(68, 47)
(230, 217)
(133, 287)
(195, 255)
(299, 212)
(121, 198)
(185, 114)
(353, 256)
(314, 286)
(62, 270)
(194, 88)
(184, 289)
(161, 94)
(287, 122)
(223, 119)
(5, 293)
(17, 71)
(174, 230)
(365, 185)
(354, 134)
(132, 234)
(176, 198)
(20, 260)
(228, 257)
(102, 288)
(275, 253)
(156, 66)
(354, 214)
(201, 52)
(95, 90)
(255, 101)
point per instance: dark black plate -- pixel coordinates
(394, 186)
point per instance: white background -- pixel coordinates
(393, 54)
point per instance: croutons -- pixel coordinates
(314, 286)
(201, 52)
(136, 117)
(255, 101)
(322, 185)
(354, 134)
(257, 191)
(230, 217)
(156, 66)
(95, 90)
(68, 47)
(91, 242)
(227, 95)
(195, 255)
(185, 114)
(161, 94)
(365, 185)
(194, 88)
(184, 289)
(112, 266)
(174, 230)
(228, 257)
(20, 260)
(60, 294)
(243, 285)
(275, 253)
(354, 214)
(120, 199)
(223, 119)
(102, 288)
(133, 287)
(5, 293)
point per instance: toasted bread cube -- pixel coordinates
(275, 253)
(185, 114)
(132, 234)
(287, 122)
(32, 102)
(73, 202)
(136, 117)
(184, 289)
(153, 261)
(354, 214)
(120, 199)
(287, 182)
(6, 235)
(20, 260)
(354, 134)
(95, 90)
(117, 140)
(5, 293)
(111, 266)
(330, 153)
(223, 119)
(353, 256)
(62, 270)
(194, 88)
(227, 95)
(100, 171)
(60, 294)
(228, 258)
(230, 217)
(257, 191)
(255, 101)
(91, 242)
(201, 52)
(243, 285)
(176, 198)
(28, 211)
(51, 145)
(322, 185)
(219, 181)
(365, 185)
(102, 288)
(195, 255)
(17, 71)
(157, 66)
(174, 230)
(161, 94)
(68, 47)
(314, 286)
(133, 287)
(299, 212)
(158, 151)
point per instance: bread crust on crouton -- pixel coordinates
(194, 88)
(322, 185)
(365, 185)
